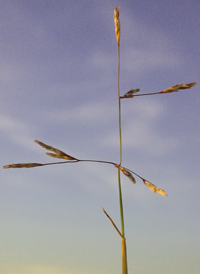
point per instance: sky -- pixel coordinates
(58, 84)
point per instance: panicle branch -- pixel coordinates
(69, 159)
(175, 88)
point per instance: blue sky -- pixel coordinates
(58, 84)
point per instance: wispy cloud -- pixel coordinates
(87, 114)
(140, 124)
(140, 130)
(17, 132)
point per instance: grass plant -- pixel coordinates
(68, 159)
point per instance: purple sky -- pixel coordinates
(58, 84)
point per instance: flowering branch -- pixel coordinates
(70, 159)
(175, 88)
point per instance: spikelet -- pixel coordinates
(161, 191)
(22, 165)
(176, 88)
(57, 153)
(154, 188)
(126, 173)
(117, 24)
(130, 93)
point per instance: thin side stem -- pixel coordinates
(31, 165)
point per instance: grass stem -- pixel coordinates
(124, 254)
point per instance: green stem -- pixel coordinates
(124, 253)
(121, 204)
(124, 257)
(120, 144)
(119, 103)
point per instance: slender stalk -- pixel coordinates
(124, 253)
(120, 144)
(121, 204)
(119, 103)
(31, 165)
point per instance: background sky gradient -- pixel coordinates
(58, 84)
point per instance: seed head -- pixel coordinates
(117, 23)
